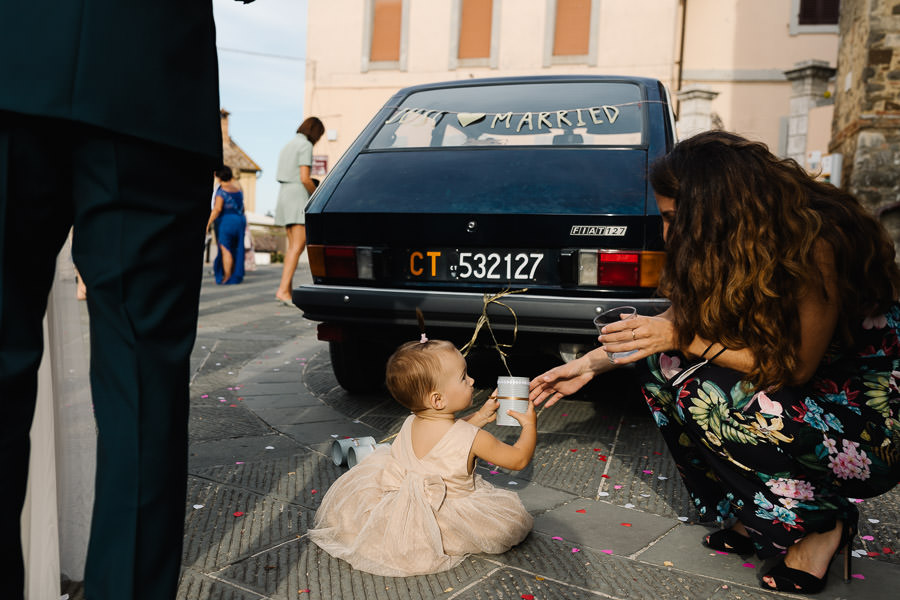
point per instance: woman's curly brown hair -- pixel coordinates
(740, 251)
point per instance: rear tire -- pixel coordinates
(358, 366)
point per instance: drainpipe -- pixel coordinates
(680, 56)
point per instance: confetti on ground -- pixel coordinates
(557, 538)
(565, 414)
(205, 396)
(645, 495)
(539, 578)
(449, 589)
(668, 563)
(238, 513)
(573, 449)
(606, 551)
(721, 552)
(657, 453)
(494, 472)
(574, 550)
(313, 491)
(683, 519)
(303, 591)
(198, 506)
(629, 505)
(334, 435)
(617, 487)
(270, 447)
(887, 550)
(626, 524)
(527, 597)
(233, 405)
(858, 553)
(240, 462)
(872, 553)
(648, 471)
(602, 457)
(605, 476)
(513, 483)
(603, 494)
(866, 537)
(858, 576)
(874, 521)
(598, 449)
(749, 565)
(662, 477)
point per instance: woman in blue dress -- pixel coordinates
(774, 377)
(228, 221)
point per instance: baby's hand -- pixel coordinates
(487, 413)
(526, 418)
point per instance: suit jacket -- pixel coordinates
(145, 68)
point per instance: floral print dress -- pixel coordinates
(789, 462)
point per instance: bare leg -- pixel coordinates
(296, 238)
(227, 263)
(813, 553)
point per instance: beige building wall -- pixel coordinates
(738, 48)
(741, 48)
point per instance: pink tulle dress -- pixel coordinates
(396, 515)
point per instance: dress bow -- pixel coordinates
(394, 478)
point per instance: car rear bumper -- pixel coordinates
(380, 308)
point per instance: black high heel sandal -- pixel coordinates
(729, 540)
(787, 579)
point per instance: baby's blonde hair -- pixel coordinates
(412, 371)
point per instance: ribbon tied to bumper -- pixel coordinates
(431, 487)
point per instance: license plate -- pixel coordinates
(475, 265)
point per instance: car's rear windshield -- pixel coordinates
(525, 114)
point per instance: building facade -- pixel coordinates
(728, 58)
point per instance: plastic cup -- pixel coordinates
(512, 393)
(340, 448)
(611, 316)
(356, 453)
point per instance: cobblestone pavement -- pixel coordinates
(612, 519)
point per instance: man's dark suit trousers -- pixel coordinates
(138, 210)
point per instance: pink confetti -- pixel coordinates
(617, 487)
(606, 551)
(238, 513)
(494, 472)
(565, 414)
(720, 552)
(866, 537)
(858, 576)
(233, 405)
(557, 538)
(313, 491)
(574, 550)
(749, 565)
(648, 471)
(205, 396)
(240, 462)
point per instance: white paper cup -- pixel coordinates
(340, 448)
(356, 453)
(512, 393)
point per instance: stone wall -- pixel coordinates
(866, 126)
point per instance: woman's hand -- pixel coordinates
(646, 335)
(567, 379)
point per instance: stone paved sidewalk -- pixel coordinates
(611, 516)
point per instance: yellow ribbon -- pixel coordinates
(483, 320)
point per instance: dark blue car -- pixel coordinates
(459, 191)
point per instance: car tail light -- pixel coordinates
(341, 262)
(618, 268)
